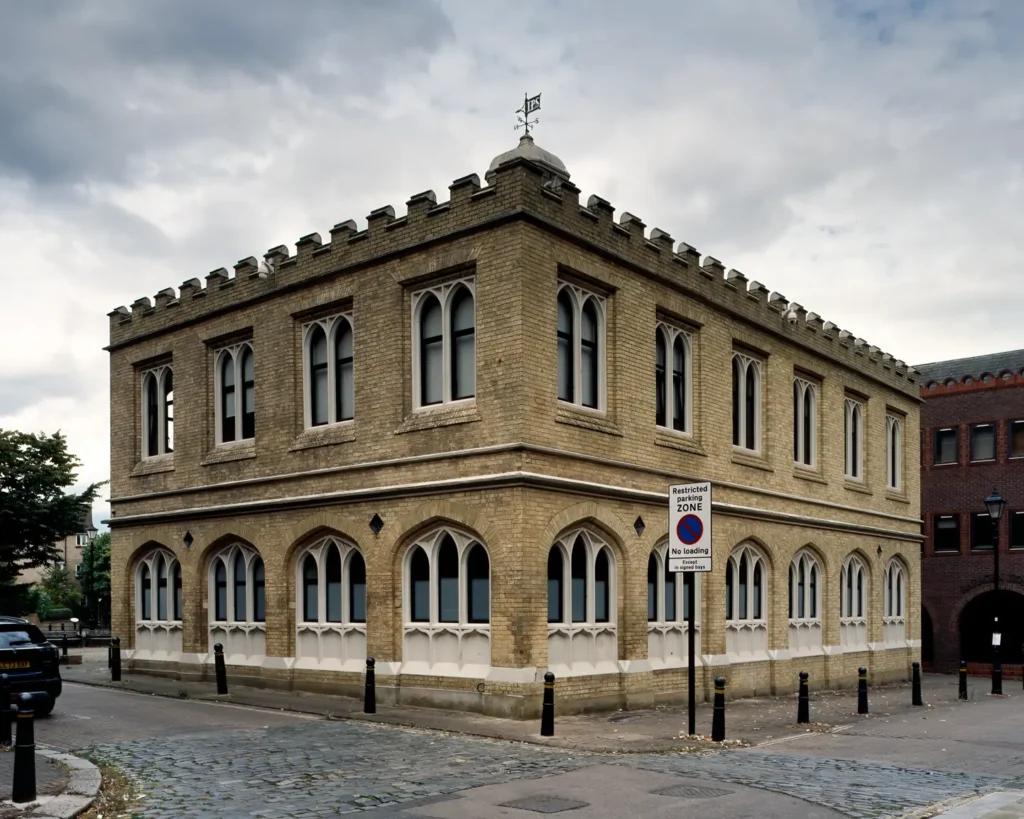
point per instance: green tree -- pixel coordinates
(62, 589)
(96, 573)
(36, 508)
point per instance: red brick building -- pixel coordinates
(972, 427)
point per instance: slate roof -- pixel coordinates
(975, 366)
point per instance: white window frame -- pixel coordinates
(235, 352)
(746, 363)
(669, 334)
(158, 375)
(444, 293)
(853, 463)
(330, 325)
(150, 561)
(893, 453)
(431, 545)
(579, 297)
(227, 557)
(803, 458)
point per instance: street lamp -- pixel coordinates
(995, 505)
(90, 533)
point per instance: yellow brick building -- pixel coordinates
(446, 441)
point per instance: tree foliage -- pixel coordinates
(60, 587)
(36, 508)
(96, 567)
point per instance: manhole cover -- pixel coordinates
(545, 804)
(692, 792)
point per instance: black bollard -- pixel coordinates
(963, 679)
(862, 690)
(547, 710)
(6, 715)
(24, 787)
(218, 664)
(916, 690)
(64, 645)
(803, 707)
(370, 693)
(718, 715)
(115, 659)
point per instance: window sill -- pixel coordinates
(899, 497)
(234, 451)
(747, 458)
(973, 462)
(342, 433)
(594, 420)
(945, 552)
(440, 416)
(682, 441)
(154, 465)
(857, 486)
(808, 474)
(945, 463)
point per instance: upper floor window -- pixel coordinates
(81, 540)
(946, 446)
(893, 452)
(805, 410)
(983, 442)
(854, 434)
(444, 344)
(673, 378)
(1016, 436)
(983, 535)
(157, 412)
(235, 393)
(746, 402)
(581, 338)
(328, 370)
(1017, 530)
(946, 533)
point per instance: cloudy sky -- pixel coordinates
(863, 158)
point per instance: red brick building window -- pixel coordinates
(1017, 530)
(1016, 439)
(983, 442)
(982, 531)
(946, 446)
(946, 533)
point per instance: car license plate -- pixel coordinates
(14, 664)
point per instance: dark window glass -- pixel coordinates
(221, 584)
(248, 395)
(602, 587)
(894, 460)
(146, 583)
(814, 592)
(152, 415)
(801, 611)
(737, 380)
(168, 411)
(333, 571)
(752, 408)
(344, 375)
(259, 591)
(556, 572)
(1016, 435)
(796, 423)
(860, 593)
(729, 615)
(448, 581)
(310, 589)
(679, 385)
(946, 446)
(566, 380)
(660, 392)
(431, 352)
(578, 591)
(478, 571)
(1017, 530)
(463, 345)
(176, 583)
(161, 589)
(983, 442)
(671, 615)
(758, 591)
(946, 533)
(227, 395)
(792, 592)
(744, 578)
(855, 442)
(357, 588)
(419, 586)
(318, 376)
(982, 531)
(848, 571)
(239, 613)
(652, 588)
(808, 426)
(588, 354)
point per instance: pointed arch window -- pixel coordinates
(805, 410)
(330, 584)
(157, 412)
(146, 589)
(589, 597)
(176, 590)
(854, 436)
(853, 601)
(235, 381)
(448, 581)
(444, 344)
(329, 370)
(161, 589)
(805, 622)
(744, 579)
(581, 342)
(894, 603)
(894, 453)
(556, 586)
(310, 589)
(238, 585)
(746, 402)
(668, 596)
(674, 386)
(221, 592)
(158, 588)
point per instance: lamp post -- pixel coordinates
(90, 533)
(995, 505)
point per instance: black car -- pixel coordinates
(30, 662)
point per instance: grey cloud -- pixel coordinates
(20, 391)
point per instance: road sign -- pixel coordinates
(689, 514)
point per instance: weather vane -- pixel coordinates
(530, 104)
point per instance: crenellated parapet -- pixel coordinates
(518, 189)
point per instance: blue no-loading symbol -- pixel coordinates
(690, 529)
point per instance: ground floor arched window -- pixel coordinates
(668, 596)
(746, 600)
(158, 606)
(805, 620)
(446, 588)
(238, 603)
(894, 602)
(853, 605)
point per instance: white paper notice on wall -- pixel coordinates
(689, 516)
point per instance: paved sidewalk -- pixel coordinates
(50, 778)
(749, 721)
(998, 805)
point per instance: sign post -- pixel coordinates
(689, 552)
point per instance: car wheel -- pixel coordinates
(44, 709)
